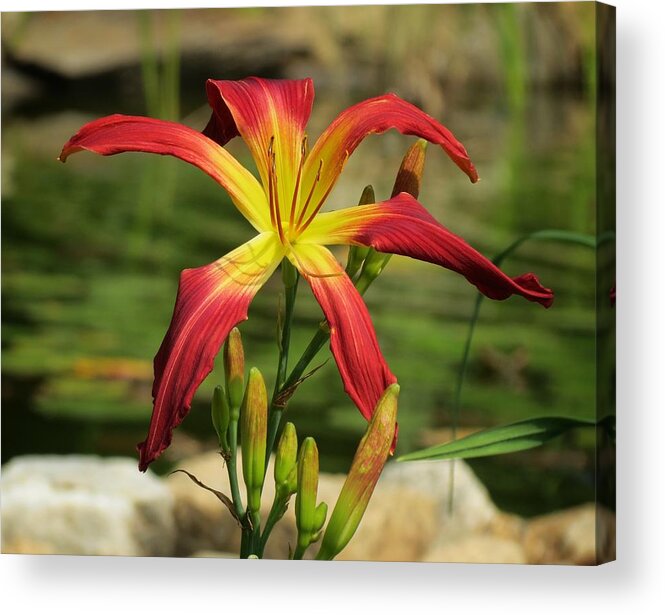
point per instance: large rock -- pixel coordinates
(478, 549)
(84, 505)
(407, 513)
(583, 535)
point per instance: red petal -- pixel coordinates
(211, 301)
(403, 226)
(123, 133)
(352, 338)
(261, 110)
(374, 116)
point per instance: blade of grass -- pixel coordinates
(518, 436)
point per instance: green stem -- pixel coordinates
(362, 284)
(255, 537)
(276, 410)
(231, 466)
(245, 540)
(299, 552)
(275, 514)
(317, 342)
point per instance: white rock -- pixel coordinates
(84, 505)
(472, 506)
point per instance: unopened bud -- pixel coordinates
(253, 433)
(366, 468)
(357, 254)
(410, 172)
(309, 517)
(286, 460)
(234, 369)
(220, 416)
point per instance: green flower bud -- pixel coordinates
(309, 516)
(234, 369)
(357, 254)
(286, 460)
(253, 433)
(366, 468)
(220, 416)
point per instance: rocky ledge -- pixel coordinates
(86, 505)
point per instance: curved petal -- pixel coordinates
(373, 116)
(211, 301)
(264, 111)
(115, 134)
(402, 225)
(352, 338)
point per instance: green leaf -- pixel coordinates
(503, 439)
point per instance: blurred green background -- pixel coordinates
(92, 250)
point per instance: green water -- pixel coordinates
(92, 250)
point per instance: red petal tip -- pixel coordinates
(530, 282)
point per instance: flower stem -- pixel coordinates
(290, 277)
(231, 466)
(317, 342)
(255, 536)
(299, 552)
(276, 513)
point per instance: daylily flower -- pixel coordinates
(284, 207)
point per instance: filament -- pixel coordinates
(311, 193)
(296, 188)
(302, 227)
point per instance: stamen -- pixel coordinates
(302, 227)
(311, 193)
(271, 203)
(296, 188)
(278, 214)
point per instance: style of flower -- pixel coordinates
(285, 209)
